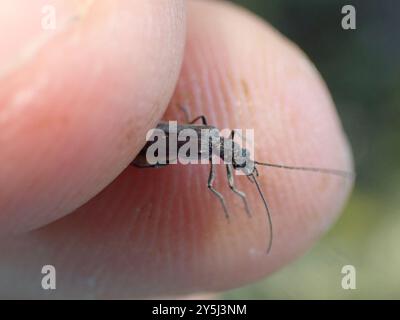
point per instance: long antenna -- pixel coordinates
(268, 213)
(341, 173)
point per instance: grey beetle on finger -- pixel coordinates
(234, 158)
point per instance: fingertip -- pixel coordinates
(242, 73)
(77, 103)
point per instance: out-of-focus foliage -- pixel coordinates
(362, 70)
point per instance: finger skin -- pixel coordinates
(161, 232)
(76, 102)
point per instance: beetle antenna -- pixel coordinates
(267, 210)
(341, 173)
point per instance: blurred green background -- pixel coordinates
(362, 70)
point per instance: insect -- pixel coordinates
(234, 158)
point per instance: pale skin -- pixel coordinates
(74, 113)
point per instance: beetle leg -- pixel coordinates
(211, 179)
(231, 182)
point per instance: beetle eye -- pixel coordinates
(245, 153)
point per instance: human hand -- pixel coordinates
(75, 108)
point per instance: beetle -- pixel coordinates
(233, 155)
